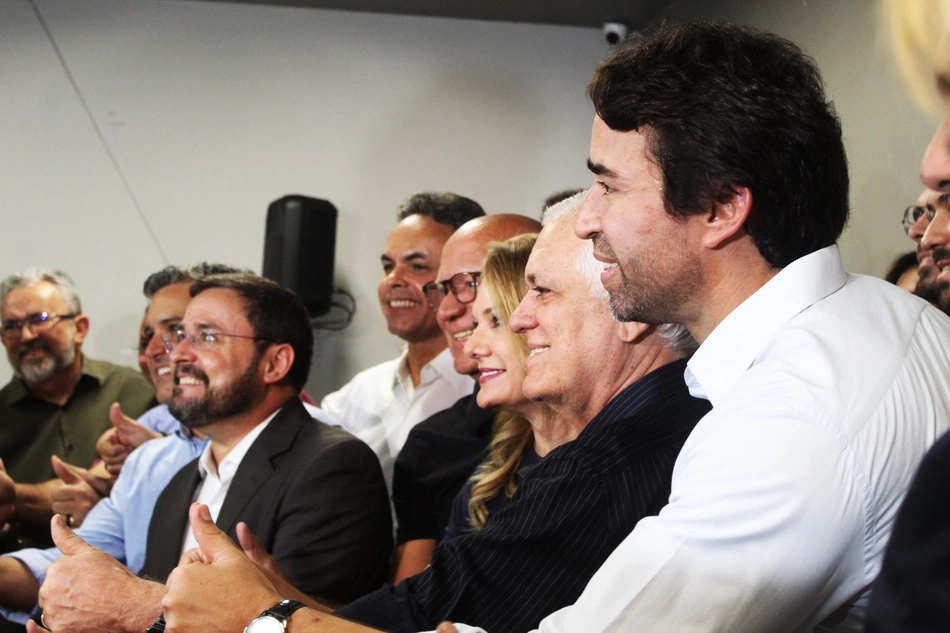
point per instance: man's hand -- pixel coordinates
(88, 590)
(7, 498)
(222, 594)
(125, 436)
(81, 491)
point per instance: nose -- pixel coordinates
(450, 308)
(395, 276)
(182, 352)
(155, 347)
(935, 168)
(918, 228)
(522, 319)
(588, 222)
(475, 347)
(937, 232)
(26, 332)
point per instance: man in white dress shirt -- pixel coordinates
(380, 405)
(720, 189)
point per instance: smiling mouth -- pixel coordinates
(189, 380)
(403, 304)
(461, 336)
(538, 350)
(163, 371)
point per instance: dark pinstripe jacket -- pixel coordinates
(569, 513)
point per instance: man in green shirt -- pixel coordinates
(58, 401)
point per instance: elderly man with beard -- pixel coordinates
(58, 402)
(314, 495)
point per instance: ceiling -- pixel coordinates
(636, 13)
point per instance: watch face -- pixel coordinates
(265, 624)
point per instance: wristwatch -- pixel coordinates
(274, 620)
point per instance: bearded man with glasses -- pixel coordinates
(58, 401)
(928, 224)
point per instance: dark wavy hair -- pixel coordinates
(276, 314)
(443, 207)
(725, 106)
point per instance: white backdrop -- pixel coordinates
(214, 110)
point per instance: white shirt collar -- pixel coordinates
(225, 471)
(442, 366)
(734, 344)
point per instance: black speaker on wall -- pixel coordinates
(299, 247)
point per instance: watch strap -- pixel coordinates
(283, 609)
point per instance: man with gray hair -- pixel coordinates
(58, 401)
(620, 384)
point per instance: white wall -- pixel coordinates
(214, 110)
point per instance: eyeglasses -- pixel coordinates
(915, 212)
(463, 287)
(12, 329)
(205, 339)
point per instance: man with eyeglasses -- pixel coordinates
(442, 451)
(382, 403)
(58, 401)
(312, 494)
(928, 224)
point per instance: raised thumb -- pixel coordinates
(65, 539)
(118, 418)
(215, 545)
(64, 471)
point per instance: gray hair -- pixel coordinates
(176, 274)
(33, 275)
(675, 336)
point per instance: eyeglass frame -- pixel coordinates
(912, 215)
(12, 329)
(203, 343)
(449, 285)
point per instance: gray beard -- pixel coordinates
(42, 369)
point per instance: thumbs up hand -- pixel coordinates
(125, 436)
(88, 590)
(219, 589)
(80, 491)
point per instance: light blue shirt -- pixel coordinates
(118, 524)
(158, 419)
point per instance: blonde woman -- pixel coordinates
(524, 430)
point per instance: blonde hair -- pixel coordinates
(915, 30)
(503, 280)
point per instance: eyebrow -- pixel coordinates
(413, 256)
(600, 170)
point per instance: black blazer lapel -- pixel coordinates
(258, 463)
(166, 531)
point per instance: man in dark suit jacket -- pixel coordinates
(314, 495)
